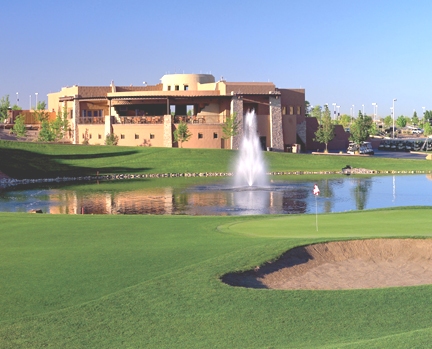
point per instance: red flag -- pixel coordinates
(316, 190)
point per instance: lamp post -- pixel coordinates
(423, 112)
(334, 110)
(17, 99)
(393, 111)
(36, 100)
(30, 103)
(337, 107)
(374, 104)
(363, 109)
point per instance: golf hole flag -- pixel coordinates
(316, 190)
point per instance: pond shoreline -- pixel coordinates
(8, 182)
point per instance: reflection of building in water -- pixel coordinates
(151, 201)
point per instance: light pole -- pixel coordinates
(36, 100)
(374, 104)
(393, 111)
(30, 103)
(338, 106)
(423, 112)
(363, 108)
(334, 110)
(17, 99)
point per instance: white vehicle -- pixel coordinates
(364, 148)
(417, 131)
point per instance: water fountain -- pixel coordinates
(250, 169)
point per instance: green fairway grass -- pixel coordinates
(36, 160)
(82, 281)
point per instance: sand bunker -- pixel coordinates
(341, 265)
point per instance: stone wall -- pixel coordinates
(276, 133)
(237, 109)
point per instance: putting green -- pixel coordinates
(362, 224)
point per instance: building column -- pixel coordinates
(108, 125)
(276, 134)
(75, 117)
(237, 109)
(168, 134)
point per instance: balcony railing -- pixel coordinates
(91, 120)
(141, 119)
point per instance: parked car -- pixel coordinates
(364, 148)
(417, 131)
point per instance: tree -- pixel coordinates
(401, 121)
(19, 128)
(388, 121)
(427, 115)
(307, 109)
(427, 129)
(345, 120)
(182, 134)
(60, 125)
(325, 132)
(360, 129)
(111, 139)
(4, 106)
(415, 119)
(316, 112)
(231, 127)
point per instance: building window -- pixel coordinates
(284, 110)
(122, 136)
(186, 87)
(200, 135)
(291, 109)
(99, 136)
(177, 87)
(215, 135)
(136, 136)
(90, 136)
(298, 110)
(169, 88)
(152, 136)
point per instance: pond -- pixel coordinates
(199, 196)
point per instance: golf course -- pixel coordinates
(147, 281)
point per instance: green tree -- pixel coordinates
(427, 129)
(19, 128)
(307, 109)
(182, 134)
(316, 112)
(60, 125)
(415, 119)
(230, 127)
(111, 139)
(345, 120)
(4, 106)
(361, 128)
(388, 120)
(427, 115)
(401, 121)
(325, 132)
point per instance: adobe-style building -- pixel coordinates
(148, 115)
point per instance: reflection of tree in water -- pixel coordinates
(326, 191)
(294, 201)
(361, 192)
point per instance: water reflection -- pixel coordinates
(281, 196)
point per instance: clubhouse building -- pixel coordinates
(148, 115)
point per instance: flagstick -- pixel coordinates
(316, 212)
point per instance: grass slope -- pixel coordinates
(152, 282)
(35, 160)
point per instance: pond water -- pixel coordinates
(196, 196)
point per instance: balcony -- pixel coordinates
(95, 120)
(141, 119)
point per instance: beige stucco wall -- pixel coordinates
(208, 139)
(182, 80)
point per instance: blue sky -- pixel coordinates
(340, 51)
